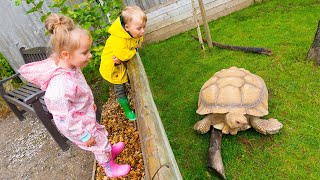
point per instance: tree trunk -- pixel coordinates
(314, 51)
(215, 159)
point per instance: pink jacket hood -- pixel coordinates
(40, 73)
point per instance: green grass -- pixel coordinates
(177, 69)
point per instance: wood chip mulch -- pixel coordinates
(121, 129)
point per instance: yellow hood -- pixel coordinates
(116, 29)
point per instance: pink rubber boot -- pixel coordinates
(116, 149)
(113, 170)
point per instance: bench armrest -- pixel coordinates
(34, 97)
(8, 78)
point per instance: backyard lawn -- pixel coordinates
(177, 68)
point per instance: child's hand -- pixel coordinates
(90, 142)
(116, 60)
(94, 107)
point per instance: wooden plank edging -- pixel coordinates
(159, 161)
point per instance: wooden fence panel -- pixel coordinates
(146, 4)
(175, 17)
(19, 30)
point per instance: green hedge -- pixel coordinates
(6, 69)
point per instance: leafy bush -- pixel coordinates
(6, 69)
(94, 15)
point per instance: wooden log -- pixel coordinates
(314, 51)
(158, 157)
(240, 48)
(215, 159)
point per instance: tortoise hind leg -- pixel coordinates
(270, 126)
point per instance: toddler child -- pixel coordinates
(126, 36)
(68, 96)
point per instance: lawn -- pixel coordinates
(177, 68)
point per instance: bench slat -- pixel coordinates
(31, 88)
(15, 95)
(21, 92)
(19, 103)
(32, 85)
(25, 90)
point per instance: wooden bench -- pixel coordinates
(29, 97)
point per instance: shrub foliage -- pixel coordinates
(94, 15)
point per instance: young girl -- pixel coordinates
(68, 96)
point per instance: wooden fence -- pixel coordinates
(167, 18)
(147, 5)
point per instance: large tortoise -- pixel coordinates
(234, 100)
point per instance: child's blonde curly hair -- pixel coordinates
(133, 11)
(61, 27)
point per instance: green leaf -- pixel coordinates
(30, 1)
(34, 9)
(39, 5)
(107, 28)
(54, 5)
(97, 48)
(86, 25)
(65, 10)
(17, 2)
(98, 31)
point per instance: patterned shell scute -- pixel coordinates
(234, 90)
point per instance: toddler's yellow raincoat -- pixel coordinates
(123, 46)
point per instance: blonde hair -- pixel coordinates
(61, 29)
(133, 11)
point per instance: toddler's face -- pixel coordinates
(136, 27)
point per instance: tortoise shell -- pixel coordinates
(234, 90)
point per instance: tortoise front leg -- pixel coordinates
(263, 126)
(203, 126)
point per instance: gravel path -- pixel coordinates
(27, 151)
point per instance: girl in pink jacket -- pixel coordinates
(68, 96)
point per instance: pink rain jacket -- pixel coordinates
(69, 99)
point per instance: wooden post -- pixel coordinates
(205, 23)
(196, 20)
(158, 158)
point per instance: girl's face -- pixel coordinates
(136, 27)
(81, 56)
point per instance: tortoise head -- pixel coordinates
(237, 120)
